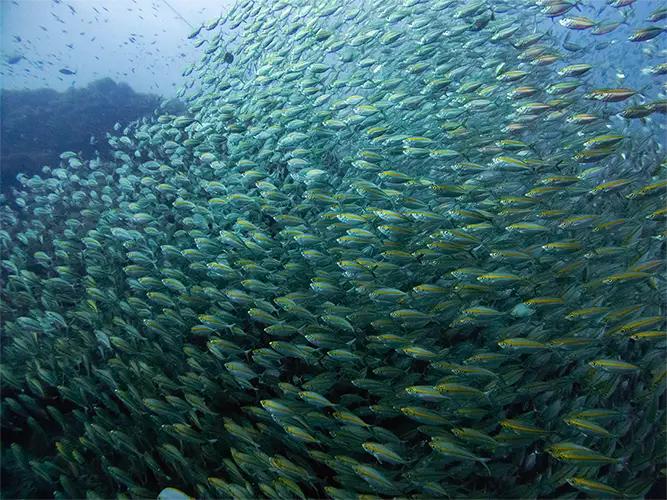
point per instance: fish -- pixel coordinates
(402, 247)
(645, 34)
(173, 494)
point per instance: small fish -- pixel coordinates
(645, 34)
(593, 487)
(451, 450)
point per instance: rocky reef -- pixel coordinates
(37, 125)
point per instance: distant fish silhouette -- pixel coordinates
(229, 58)
(66, 71)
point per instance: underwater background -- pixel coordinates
(333, 249)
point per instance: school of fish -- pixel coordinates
(397, 248)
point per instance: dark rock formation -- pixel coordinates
(37, 125)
